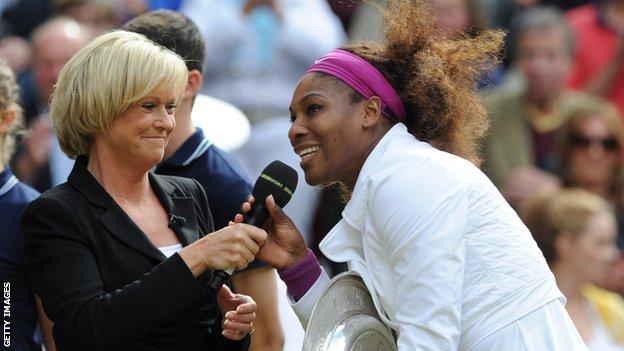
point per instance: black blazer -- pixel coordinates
(105, 285)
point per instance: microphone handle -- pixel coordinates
(219, 278)
(258, 215)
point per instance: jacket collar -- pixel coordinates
(355, 210)
(344, 241)
(119, 224)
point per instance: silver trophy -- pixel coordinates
(344, 319)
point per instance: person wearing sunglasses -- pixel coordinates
(608, 144)
(520, 151)
(592, 158)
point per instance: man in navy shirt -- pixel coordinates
(18, 307)
(190, 154)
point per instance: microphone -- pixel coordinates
(277, 179)
(176, 221)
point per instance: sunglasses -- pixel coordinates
(584, 142)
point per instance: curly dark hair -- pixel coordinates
(436, 79)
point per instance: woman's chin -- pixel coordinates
(311, 178)
(152, 159)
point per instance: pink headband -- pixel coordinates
(362, 77)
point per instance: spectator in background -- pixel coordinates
(592, 155)
(592, 158)
(499, 13)
(520, 150)
(454, 19)
(21, 17)
(14, 196)
(190, 154)
(458, 17)
(258, 49)
(40, 161)
(576, 232)
(101, 15)
(54, 43)
(599, 58)
(17, 52)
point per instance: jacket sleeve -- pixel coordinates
(419, 223)
(303, 308)
(64, 272)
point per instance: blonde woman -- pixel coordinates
(120, 256)
(576, 231)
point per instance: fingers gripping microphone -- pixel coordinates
(277, 179)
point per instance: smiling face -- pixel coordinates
(139, 134)
(328, 130)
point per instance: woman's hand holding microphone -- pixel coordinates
(232, 246)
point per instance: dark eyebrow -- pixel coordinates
(311, 95)
(303, 100)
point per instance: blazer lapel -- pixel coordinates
(177, 206)
(118, 224)
(113, 218)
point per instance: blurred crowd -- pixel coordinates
(556, 103)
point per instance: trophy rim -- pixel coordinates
(345, 303)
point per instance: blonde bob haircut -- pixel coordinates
(107, 76)
(565, 211)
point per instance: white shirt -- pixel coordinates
(168, 251)
(447, 260)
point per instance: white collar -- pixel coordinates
(10, 184)
(355, 210)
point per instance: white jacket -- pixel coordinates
(446, 259)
